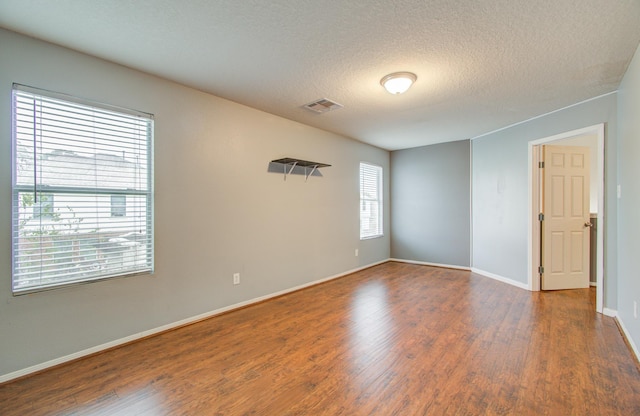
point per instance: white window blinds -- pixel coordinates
(370, 201)
(82, 202)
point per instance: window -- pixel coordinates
(95, 162)
(370, 201)
(118, 205)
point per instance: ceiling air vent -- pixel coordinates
(322, 106)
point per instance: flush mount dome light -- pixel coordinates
(398, 82)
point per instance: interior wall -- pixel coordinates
(217, 209)
(430, 202)
(629, 202)
(500, 186)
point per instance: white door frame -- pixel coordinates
(534, 203)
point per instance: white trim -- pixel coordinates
(98, 348)
(424, 263)
(533, 233)
(543, 115)
(625, 332)
(597, 130)
(601, 222)
(500, 278)
(470, 202)
(627, 335)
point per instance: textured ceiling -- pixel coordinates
(481, 64)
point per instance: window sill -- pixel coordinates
(371, 237)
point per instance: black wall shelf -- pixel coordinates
(289, 164)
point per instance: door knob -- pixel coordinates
(588, 224)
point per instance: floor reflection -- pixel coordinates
(145, 401)
(371, 324)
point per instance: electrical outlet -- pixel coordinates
(236, 278)
(635, 309)
(356, 252)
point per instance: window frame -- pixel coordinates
(78, 190)
(378, 200)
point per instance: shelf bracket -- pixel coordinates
(290, 170)
(310, 173)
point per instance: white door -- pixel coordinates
(565, 227)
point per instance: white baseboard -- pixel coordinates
(98, 348)
(610, 312)
(423, 263)
(501, 278)
(626, 334)
(471, 269)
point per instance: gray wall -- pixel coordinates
(500, 190)
(430, 203)
(217, 209)
(629, 203)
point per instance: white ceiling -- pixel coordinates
(481, 64)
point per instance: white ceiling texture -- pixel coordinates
(481, 64)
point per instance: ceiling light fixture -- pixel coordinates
(398, 82)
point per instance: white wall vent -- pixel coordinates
(322, 105)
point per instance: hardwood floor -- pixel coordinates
(395, 339)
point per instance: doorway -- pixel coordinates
(535, 146)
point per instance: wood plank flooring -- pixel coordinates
(395, 339)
